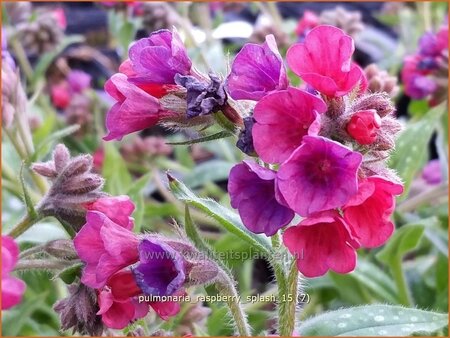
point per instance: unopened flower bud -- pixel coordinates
(195, 316)
(381, 102)
(74, 185)
(61, 248)
(245, 141)
(203, 98)
(13, 96)
(390, 127)
(79, 311)
(363, 126)
(381, 81)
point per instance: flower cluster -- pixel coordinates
(121, 265)
(322, 151)
(159, 85)
(425, 73)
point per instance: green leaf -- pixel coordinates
(47, 143)
(69, 274)
(404, 240)
(216, 136)
(26, 196)
(374, 320)
(46, 60)
(136, 194)
(411, 147)
(211, 171)
(115, 171)
(225, 217)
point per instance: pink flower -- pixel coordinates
(432, 172)
(282, 119)
(320, 243)
(12, 287)
(308, 21)
(256, 71)
(363, 126)
(117, 208)
(323, 61)
(253, 192)
(319, 175)
(105, 247)
(60, 95)
(368, 212)
(118, 302)
(135, 108)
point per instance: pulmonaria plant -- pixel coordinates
(425, 74)
(327, 148)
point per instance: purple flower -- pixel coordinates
(432, 173)
(256, 71)
(254, 193)
(159, 57)
(420, 86)
(161, 269)
(319, 175)
(79, 80)
(429, 45)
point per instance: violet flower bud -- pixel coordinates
(245, 141)
(203, 98)
(78, 311)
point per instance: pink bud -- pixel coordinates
(364, 125)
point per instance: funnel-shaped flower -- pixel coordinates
(320, 243)
(105, 247)
(323, 61)
(282, 119)
(320, 175)
(12, 287)
(256, 71)
(135, 109)
(253, 192)
(161, 269)
(368, 212)
(159, 57)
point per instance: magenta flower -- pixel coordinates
(78, 80)
(253, 192)
(135, 109)
(117, 208)
(12, 288)
(321, 243)
(323, 61)
(256, 71)
(368, 212)
(159, 57)
(319, 175)
(105, 247)
(282, 119)
(161, 269)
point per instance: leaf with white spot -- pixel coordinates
(374, 320)
(411, 148)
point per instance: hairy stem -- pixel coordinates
(287, 323)
(43, 264)
(416, 201)
(226, 287)
(24, 225)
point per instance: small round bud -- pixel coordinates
(363, 126)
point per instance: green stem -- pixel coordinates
(22, 58)
(226, 287)
(24, 225)
(287, 323)
(404, 294)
